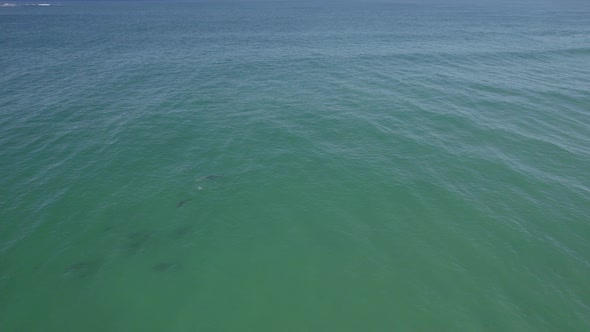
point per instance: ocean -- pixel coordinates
(295, 166)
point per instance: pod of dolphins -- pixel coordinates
(134, 243)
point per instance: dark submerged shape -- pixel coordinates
(181, 203)
(136, 242)
(213, 177)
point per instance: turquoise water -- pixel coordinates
(382, 167)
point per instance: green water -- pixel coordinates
(382, 167)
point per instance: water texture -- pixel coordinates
(294, 166)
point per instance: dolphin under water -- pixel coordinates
(205, 178)
(210, 177)
(181, 203)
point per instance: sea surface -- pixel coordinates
(295, 166)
